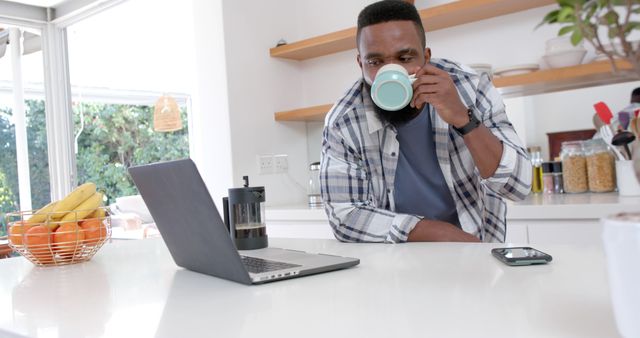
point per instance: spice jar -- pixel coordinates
(552, 178)
(547, 177)
(574, 167)
(558, 186)
(600, 166)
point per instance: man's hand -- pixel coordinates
(433, 85)
(438, 231)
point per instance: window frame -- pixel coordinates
(53, 23)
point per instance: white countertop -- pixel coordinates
(571, 206)
(535, 206)
(133, 289)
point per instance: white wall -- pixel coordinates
(211, 126)
(260, 85)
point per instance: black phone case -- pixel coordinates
(543, 259)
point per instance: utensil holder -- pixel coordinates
(628, 184)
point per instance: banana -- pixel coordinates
(41, 215)
(98, 213)
(85, 208)
(74, 199)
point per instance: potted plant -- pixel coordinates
(593, 20)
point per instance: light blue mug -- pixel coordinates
(391, 89)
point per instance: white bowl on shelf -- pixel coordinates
(565, 59)
(561, 44)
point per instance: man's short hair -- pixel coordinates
(635, 95)
(390, 10)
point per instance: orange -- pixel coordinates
(38, 241)
(67, 239)
(16, 231)
(94, 231)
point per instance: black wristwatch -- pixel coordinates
(471, 125)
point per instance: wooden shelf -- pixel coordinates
(543, 81)
(315, 113)
(558, 79)
(434, 18)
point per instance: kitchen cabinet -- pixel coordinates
(538, 220)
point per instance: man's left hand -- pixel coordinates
(433, 85)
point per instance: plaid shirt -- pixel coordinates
(360, 156)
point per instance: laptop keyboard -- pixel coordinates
(258, 265)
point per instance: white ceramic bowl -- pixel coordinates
(565, 59)
(561, 44)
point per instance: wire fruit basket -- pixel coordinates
(55, 242)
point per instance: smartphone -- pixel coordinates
(521, 256)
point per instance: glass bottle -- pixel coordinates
(574, 167)
(313, 190)
(600, 166)
(536, 161)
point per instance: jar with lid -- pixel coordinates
(536, 161)
(552, 178)
(574, 167)
(313, 190)
(600, 166)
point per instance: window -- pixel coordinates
(24, 164)
(117, 76)
(112, 137)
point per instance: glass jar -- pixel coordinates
(547, 177)
(574, 167)
(313, 190)
(552, 178)
(558, 186)
(600, 166)
(536, 161)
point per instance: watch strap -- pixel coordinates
(471, 125)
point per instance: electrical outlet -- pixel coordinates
(265, 164)
(280, 164)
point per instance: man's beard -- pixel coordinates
(394, 117)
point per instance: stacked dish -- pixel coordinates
(482, 68)
(560, 52)
(517, 69)
(616, 48)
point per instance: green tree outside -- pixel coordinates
(114, 138)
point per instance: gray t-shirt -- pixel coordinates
(420, 188)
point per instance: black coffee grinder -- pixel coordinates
(244, 216)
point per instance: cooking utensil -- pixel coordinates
(597, 122)
(624, 118)
(603, 112)
(623, 138)
(607, 135)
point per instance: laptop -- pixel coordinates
(198, 239)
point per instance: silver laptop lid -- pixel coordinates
(188, 220)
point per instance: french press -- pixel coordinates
(244, 216)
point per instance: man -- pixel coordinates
(436, 170)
